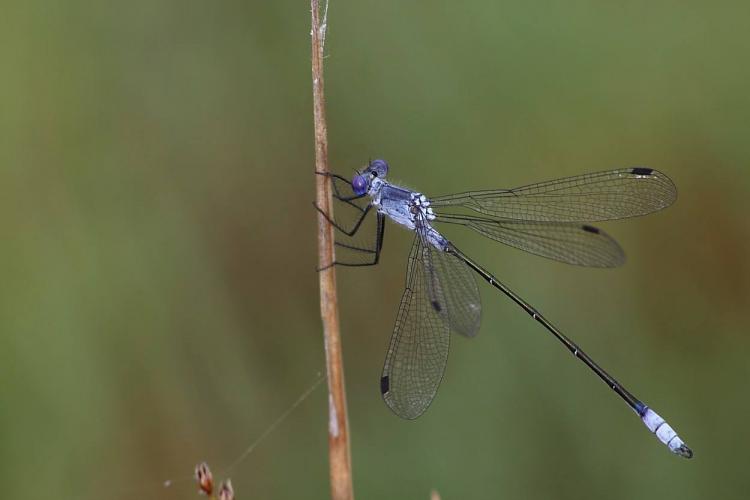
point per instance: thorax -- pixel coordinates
(407, 208)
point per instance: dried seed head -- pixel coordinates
(226, 492)
(205, 478)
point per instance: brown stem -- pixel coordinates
(338, 424)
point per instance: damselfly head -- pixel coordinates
(361, 182)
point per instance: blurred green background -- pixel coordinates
(159, 301)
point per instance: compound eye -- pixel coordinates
(379, 168)
(359, 185)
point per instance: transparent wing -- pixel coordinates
(615, 194)
(418, 351)
(464, 306)
(578, 244)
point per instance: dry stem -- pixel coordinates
(338, 424)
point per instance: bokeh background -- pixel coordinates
(158, 293)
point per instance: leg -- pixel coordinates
(337, 194)
(348, 232)
(345, 199)
(375, 252)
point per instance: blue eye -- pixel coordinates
(359, 185)
(379, 167)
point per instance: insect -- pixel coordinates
(550, 219)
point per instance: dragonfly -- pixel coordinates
(550, 219)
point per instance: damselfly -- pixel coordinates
(549, 219)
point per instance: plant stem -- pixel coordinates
(338, 424)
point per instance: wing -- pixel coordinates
(578, 244)
(418, 351)
(464, 306)
(615, 194)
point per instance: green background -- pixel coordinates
(158, 294)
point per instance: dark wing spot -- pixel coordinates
(590, 229)
(385, 384)
(642, 171)
(436, 306)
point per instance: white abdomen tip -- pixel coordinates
(664, 432)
